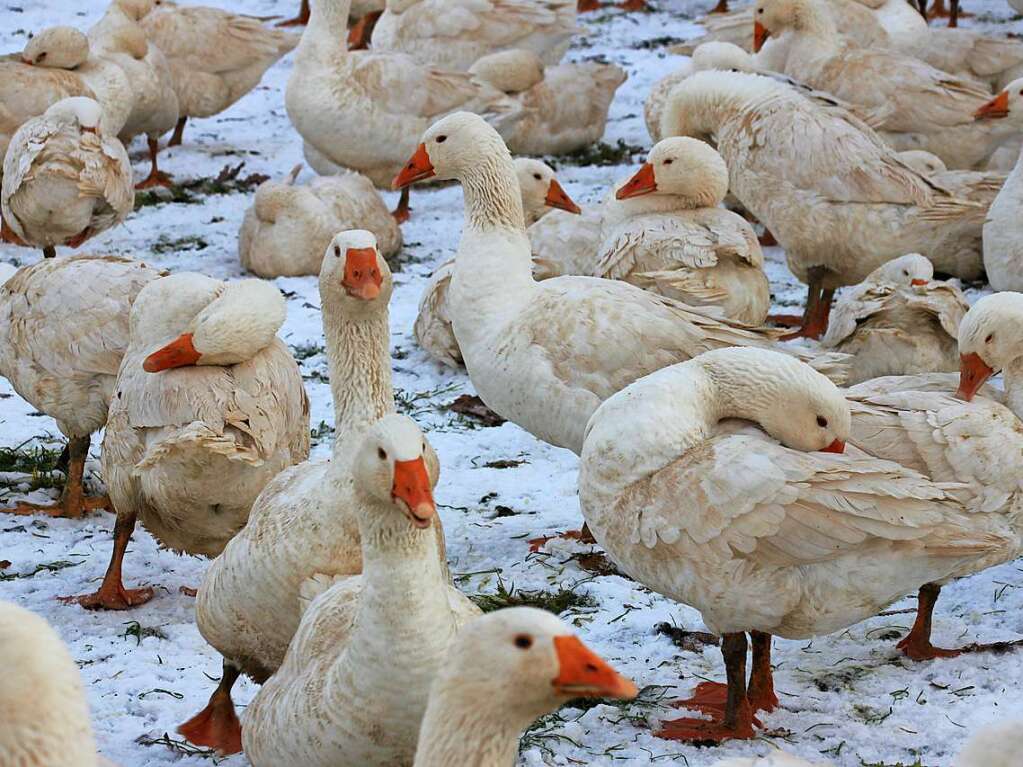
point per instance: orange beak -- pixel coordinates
(642, 183)
(973, 372)
(558, 198)
(178, 353)
(918, 282)
(362, 275)
(417, 168)
(760, 35)
(28, 62)
(995, 109)
(412, 487)
(584, 674)
(838, 446)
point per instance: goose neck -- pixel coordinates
(1013, 374)
(460, 727)
(492, 198)
(327, 30)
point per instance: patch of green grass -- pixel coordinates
(173, 244)
(38, 461)
(305, 351)
(600, 154)
(139, 632)
(43, 567)
(917, 763)
(191, 192)
(557, 602)
(179, 747)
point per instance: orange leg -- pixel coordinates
(761, 679)
(635, 6)
(403, 212)
(156, 177)
(362, 32)
(73, 502)
(767, 239)
(818, 308)
(179, 132)
(217, 725)
(587, 6)
(737, 721)
(112, 595)
(917, 643)
(7, 235)
(299, 21)
(721, 7)
(79, 239)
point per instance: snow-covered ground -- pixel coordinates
(848, 698)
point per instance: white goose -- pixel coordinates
(976, 444)
(541, 193)
(544, 355)
(372, 124)
(674, 239)
(289, 226)
(503, 671)
(64, 179)
(454, 34)
(837, 199)
(303, 523)
(1003, 243)
(898, 321)
(753, 523)
(46, 715)
(369, 646)
(205, 383)
(70, 376)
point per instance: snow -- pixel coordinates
(847, 698)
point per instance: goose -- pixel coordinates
(388, 101)
(57, 63)
(68, 375)
(898, 321)
(64, 179)
(289, 226)
(835, 197)
(204, 383)
(544, 355)
(368, 646)
(974, 442)
(980, 186)
(541, 193)
(764, 525)
(924, 108)
(564, 107)
(454, 34)
(679, 243)
(215, 57)
(302, 524)
(501, 672)
(46, 715)
(1003, 252)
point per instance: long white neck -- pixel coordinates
(463, 729)
(492, 196)
(359, 361)
(1013, 374)
(327, 31)
(707, 99)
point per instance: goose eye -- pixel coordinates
(441, 139)
(523, 641)
(40, 57)
(669, 161)
(989, 339)
(822, 422)
(337, 251)
(905, 273)
(381, 454)
(536, 176)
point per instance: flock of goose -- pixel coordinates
(719, 466)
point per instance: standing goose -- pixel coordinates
(541, 193)
(545, 354)
(119, 37)
(45, 713)
(503, 671)
(757, 523)
(369, 646)
(215, 57)
(676, 240)
(455, 34)
(63, 333)
(64, 179)
(373, 122)
(898, 321)
(837, 199)
(303, 523)
(209, 407)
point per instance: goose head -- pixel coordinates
(511, 71)
(353, 274)
(683, 167)
(1007, 104)
(990, 340)
(227, 325)
(397, 468)
(905, 271)
(57, 48)
(716, 54)
(923, 162)
(540, 189)
(525, 662)
(451, 148)
(136, 10)
(772, 17)
(791, 401)
(81, 111)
